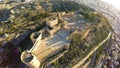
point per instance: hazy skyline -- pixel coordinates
(115, 3)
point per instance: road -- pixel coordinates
(113, 15)
(100, 44)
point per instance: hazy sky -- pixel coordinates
(115, 3)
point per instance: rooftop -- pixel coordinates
(58, 39)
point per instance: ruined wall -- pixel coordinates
(52, 23)
(50, 52)
(54, 30)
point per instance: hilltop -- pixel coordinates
(90, 29)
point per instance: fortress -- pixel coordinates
(49, 41)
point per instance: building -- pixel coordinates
(51, 40)
(29, 59)
(52, 26)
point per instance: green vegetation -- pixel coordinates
(61, 6)
(27, 19)
(40, 16)
(100, 28)
(98, 54)
(80, 48)
(31, 19)
(70, 6)
(90, 15)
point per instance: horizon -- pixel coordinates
(114, 3)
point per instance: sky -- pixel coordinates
(115, 3)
